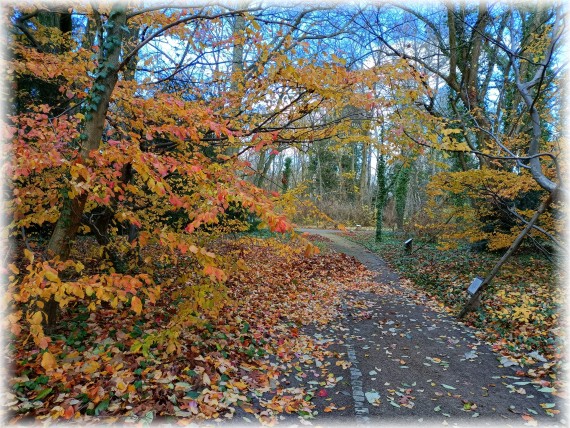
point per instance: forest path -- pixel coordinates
(408, 361)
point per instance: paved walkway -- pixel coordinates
(407, 363)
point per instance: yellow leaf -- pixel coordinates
(240, 385)
(206, 379)
(36, 318)
(51, 276)
(48, 361)
(311, 250)
(136, 304)
(90, 367)
(29, 255)
(121, 386)
(13, 268)
(450, 131)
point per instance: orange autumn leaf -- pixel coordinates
(48, 361)
(136, 305)
(69, 412)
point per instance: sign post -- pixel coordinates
(475, 285)
(408, 245)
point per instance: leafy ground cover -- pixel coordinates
(112, 365)
(520, 313)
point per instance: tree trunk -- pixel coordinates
(364, 174)
(104, 216)
(260, 176)
(266, 165)
(401, 195)
(368, 168)
(237, 66)
(381, 194)
(319, 173)
(341, 191)
(96, 110)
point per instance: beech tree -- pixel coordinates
(126, 153)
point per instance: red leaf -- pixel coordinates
(69, 412)
(259, 145)
(323, 393)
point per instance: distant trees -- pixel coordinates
(483, 74)
(479, 92)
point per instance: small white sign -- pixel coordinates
(475, 285)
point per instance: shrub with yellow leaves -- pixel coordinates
(484, 205)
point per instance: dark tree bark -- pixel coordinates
(98, 103)
(381, 194)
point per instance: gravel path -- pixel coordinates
(409, 363)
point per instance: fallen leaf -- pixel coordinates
(69, 412)
(448, 386)
(530, 420)
(48, 361)
(136, 305)
(506, 362)
(372, 396)
(44, 393)
(536, 356)
(206, 379)
(90, 367)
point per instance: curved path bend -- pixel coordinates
(408, 363)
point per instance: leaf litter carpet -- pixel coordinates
(300, 340)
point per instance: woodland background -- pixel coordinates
(150, 150)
